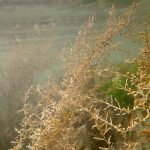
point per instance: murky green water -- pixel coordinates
(44, 25)
(38, 22)
(33, 24)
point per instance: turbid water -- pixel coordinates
(25, 24)
(38, 25)
(34, 26)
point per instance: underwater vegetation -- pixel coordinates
(102, 107)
